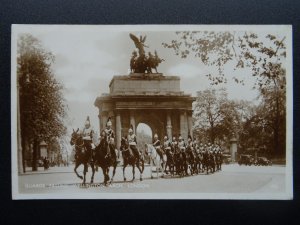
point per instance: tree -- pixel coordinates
(244, 49)
(264, 55)
(273, 108)
(42, 106)
(210, 112)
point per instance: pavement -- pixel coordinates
(232, 179)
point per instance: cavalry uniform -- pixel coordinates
(174, 144)
(156, 145)
(190, 145)
(110, 135)
(132, 143)
(87, 133)
(181, 144)
(167, 145)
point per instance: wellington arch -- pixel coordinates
(153, 99)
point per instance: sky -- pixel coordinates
(87, 58)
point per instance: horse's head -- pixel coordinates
(149, 149)
(103, 135)
(74, 136)
(124, 144)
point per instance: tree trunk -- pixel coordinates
(34, 155)
(23, 154)
(276, 130)
(212, 135)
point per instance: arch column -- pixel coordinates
(190, 123)
(103, 120)
(118, 130)
(169, 125)
(132, 120)
(183, 125)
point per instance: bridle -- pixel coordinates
(74, 140)
(151, 150)
(124, 146)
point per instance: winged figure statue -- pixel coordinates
(139, 43)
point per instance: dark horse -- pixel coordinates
(178, 160)
(130, 159)
(106, 161)
(170, 160)
(191, 159)
(82, 156)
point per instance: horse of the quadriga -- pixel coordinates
(130, 159)
(104, 160)
(155, 160)
(81, 156)
(153, 62)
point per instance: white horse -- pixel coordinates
(155, 159)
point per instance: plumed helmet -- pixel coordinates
(108, 123)
(87, 122)
(130, 129)
(155, 135)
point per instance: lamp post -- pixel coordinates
(233, 147)
(254, 144)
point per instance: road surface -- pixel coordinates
(232, 179)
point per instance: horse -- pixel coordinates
(178, 158)
(191, 159)
(206, 162)
(130, 159)
(199, 161)
(219, 160)
(170, 161)
(106, 161)
(82, 156)
(155, 159)
(153, 62)
(210, 162)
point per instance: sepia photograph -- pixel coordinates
(152, 112)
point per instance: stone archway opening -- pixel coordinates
(144, 135)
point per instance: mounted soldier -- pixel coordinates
(87, 136)
(181, 144)
(156, 144)
(167, 147)
(190, 143)
(174, 143)
(110, 135)
(131, 138)
(167, 144)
